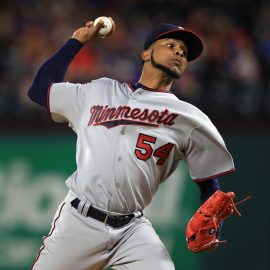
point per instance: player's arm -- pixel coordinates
(207, 157)
(207, 189)
(54, 69)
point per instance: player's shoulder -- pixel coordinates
(186, 106)
(190, 111)
(105, 82)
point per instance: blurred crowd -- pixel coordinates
(231, 80)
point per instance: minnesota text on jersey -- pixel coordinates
(111, 117)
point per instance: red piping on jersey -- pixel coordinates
(48, 101)
(149, 89)
(53, 228)
(213, 176)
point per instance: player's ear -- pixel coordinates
(146, 55)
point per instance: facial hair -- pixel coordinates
(165, 69)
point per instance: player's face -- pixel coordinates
(170, 56)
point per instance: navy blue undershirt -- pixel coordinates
(54, 70)
(207, 188)
(137, 85)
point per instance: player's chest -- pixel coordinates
(129, 108)
(125, 115)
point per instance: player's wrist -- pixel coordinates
(82, 35)
(80, 41)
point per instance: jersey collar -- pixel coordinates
(137, 85)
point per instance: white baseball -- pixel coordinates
(106, 28)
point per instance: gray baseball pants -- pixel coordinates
(76, 242)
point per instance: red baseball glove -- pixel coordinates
(202, 227)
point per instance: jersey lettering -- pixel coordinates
(163, 153)
(111, 117)
(144, 149)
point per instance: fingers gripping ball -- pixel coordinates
(202, 227)
(106, 28)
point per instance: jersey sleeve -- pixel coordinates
(68, 100)
(206, 154)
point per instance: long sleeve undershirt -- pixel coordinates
(207, 188)
(53, 71)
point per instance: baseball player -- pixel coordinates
(130, 138)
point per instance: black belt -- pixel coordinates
(114, 221)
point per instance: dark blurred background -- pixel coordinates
(230, 82)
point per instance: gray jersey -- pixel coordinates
(129, 141)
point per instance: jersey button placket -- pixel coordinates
(123, 131)
(132, 98)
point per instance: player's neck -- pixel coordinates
(156, 81)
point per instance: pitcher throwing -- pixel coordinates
(130, 138)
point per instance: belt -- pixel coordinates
(115, 221)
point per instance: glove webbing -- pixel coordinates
(234, 208)
(234, 204)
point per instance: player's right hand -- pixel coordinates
(90, 32)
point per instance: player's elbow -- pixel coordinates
(38, 93)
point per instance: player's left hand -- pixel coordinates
(89, 32)
(201, 231)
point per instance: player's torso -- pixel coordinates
(128, 142)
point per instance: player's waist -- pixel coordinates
(108, 218)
